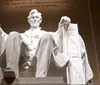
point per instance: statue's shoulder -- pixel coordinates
(26, 33)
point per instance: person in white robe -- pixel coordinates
(68, 39)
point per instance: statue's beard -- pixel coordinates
(35, 25)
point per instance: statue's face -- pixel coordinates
(35, 20)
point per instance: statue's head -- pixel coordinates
(64, 22)
(34, 18)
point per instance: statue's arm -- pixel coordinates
(3, 37)
(3, 34)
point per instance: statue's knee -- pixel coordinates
(47, 37)
(14, 34)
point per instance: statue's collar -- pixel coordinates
(33, 29)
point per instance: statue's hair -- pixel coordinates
(34, 11)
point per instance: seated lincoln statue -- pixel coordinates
(65, 47)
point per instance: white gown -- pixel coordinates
(78, 70)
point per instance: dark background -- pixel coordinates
(83, 12)
(95, 14)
